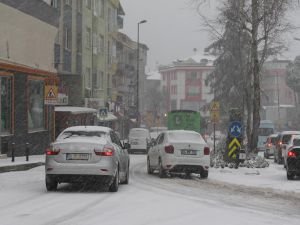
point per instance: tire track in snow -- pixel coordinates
(199, 190)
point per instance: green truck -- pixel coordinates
(184, 120)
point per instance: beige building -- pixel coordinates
(22, 44)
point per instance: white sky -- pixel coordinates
(173, 29)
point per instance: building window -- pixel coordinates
(101, 44)
(5, 104)
(101, 80)
(88, 77)
(88, 38)
(101, 8)
(54, 3)
(191, 75)
(88, 4)
(67, 38)
(193, 91)
(68, 2)
(79, 6)
(36, 105)
(95, 8)
(79, 42)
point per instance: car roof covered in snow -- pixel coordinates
(88, 128)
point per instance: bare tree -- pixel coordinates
(261, 24)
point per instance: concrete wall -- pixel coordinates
(26, 40)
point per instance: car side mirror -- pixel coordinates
(126, 145)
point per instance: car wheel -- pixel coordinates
(149, 170)
(290, 176)
(127, 177)
(161, 171)
(275, 160)
(267, 155)
(51, 184)
(115, 185)
(204, 174)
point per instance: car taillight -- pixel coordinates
(50, 151)
(169, 149)
(106, 151)
(206, 151)
(292, 154)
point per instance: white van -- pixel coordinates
(139, 139)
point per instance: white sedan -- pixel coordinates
(179, 151)
(87, 153)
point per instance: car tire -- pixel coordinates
(126, 181)
(290, 176)
(51, 184)
(149, 170)
(115, 184)
(161, 171)
(275, 159)
(204, 174)
(267, 156)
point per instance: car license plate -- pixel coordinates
(188, 152)
(242, 156)
(77, 156)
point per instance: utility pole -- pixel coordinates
(278, 103)
(137, 72)
(0, 116)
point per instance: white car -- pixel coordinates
(139, 140)
(294, 138)
(179, 151)
(87, 153)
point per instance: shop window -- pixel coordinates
(6, 104)
(36, 105)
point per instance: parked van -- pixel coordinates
(139, 139)
(266, 128)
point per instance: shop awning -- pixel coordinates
(109, 117)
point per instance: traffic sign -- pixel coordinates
(214, 106)
(215, 116)
(236, 129)
(232, 147)
(51, 94)
(103, 112)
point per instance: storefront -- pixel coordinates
(24, 116)
(67, 116)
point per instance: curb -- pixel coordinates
(20, 167)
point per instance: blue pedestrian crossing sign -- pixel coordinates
(235, 129)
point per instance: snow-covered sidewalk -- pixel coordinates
(272, 177)
(22, 160)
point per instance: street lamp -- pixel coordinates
(137, 72)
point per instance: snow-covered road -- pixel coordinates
(146, 200)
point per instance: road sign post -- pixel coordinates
(214, 117)
(235, 137)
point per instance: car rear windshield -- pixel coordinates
(296, 142)
(186, 137)
(138, 133)
(265, 131)
(68, 134)
(273, 140)
(286, 138)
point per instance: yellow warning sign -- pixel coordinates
(214, 106)
(214, 116)
(51, 94)
(232, 147)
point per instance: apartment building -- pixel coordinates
(184, 85)
(85, 50)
